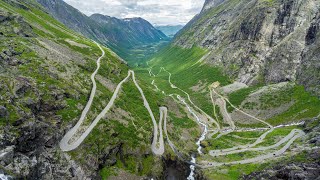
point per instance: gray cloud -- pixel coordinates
(159, 12)
(131, 4)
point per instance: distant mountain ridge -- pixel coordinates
(169, 30)
(119, 34)
(133, 31)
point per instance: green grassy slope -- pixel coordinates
(187, 72)
(53, 75)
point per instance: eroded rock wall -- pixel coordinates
(258, 41)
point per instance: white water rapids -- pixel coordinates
(203, 136)
(4, 177)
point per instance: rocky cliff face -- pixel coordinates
(309, 70)
(258, 40)
(72, 18)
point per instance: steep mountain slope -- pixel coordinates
(257, 40)
(309, 72)
(120, 35)
(45, 83)
(170, 31)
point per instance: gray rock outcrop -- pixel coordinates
(254, 41)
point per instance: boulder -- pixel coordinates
(6, 155)
(315, 140)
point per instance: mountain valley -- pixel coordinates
(234, 94)
(133, 39)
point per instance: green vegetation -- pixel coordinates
(184, 122)
(106, 172)
(237, 156)
(137, 55)
(305, 106)
(237, 97)
(147, 164)
(219, 144)
(276, 135)
(228, 141)
(231, 172)
(185, 68)
(186, 71)
(281, 97)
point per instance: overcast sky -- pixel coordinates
(158, 12)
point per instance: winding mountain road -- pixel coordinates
(157, 145)
(189, 99)
(279, 143)
(237, 109)
(258, 158)
(226, 116)
(221, 102)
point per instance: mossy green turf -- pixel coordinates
(184, 122)
(276, 135)
(232, 140)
